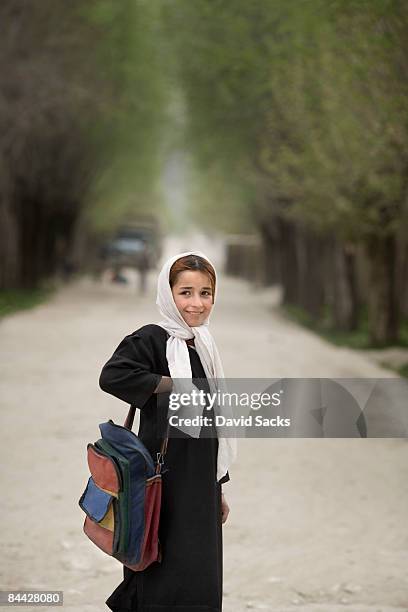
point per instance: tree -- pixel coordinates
(304, 105)
(80, 95)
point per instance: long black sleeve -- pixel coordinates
(129, 374)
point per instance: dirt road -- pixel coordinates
(315, 524)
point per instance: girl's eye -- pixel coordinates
(204, 292)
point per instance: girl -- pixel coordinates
(141, 372)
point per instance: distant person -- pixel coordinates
(68, 268)
(146, 363)
(118, 277)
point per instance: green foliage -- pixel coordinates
(12, 300)
(213, 60)
(357, 339)
(403, 370)
(80, 115)
(303, 101)
(128, 129)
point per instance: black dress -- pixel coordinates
(189, 578)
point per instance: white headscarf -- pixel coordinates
(179, 360)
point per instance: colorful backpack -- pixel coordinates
(122, 498)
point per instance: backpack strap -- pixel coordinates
(130, 418)
(163, 449)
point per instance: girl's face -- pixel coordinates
(193, 296)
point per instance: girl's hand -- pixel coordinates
(224, 508)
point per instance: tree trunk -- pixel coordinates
(289, 265)
(344, 298)
(383, 300)
(270, 252)
(403, 276)
(9, 246)
(311, 273)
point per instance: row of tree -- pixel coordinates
(80, 111)
(298, 118)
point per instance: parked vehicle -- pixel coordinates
(136, 244)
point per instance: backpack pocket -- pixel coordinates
(95, 502)
(104, 470)
(102, 520)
